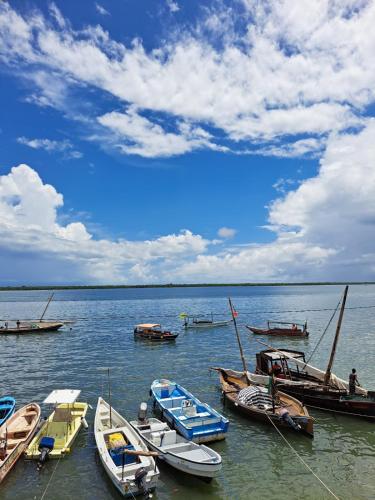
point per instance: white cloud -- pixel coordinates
(172, 5)
(323, 228)
(101, 10)
(226, 232)
(293, 69)
(49, 145)
(138, 135)
(29, 229)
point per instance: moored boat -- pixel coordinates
(153, 332)
(257, 403)
(15, 435)
(7, 406)
(202, 322)
(178, 452)
(23, 327)
(123, 453)
(317, 388)
(194, 420)
(281, 329)
(57, 434)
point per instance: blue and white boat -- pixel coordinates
(194, 420)
(7, 405)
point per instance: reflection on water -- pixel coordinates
(256, 462)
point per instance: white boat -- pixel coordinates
(175, 450)
(191, 322)
(124, 455)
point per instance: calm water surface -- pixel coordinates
(256, 462)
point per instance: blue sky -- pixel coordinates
(186, 141)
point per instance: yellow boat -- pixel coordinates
(59, 431)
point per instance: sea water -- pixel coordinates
(257, 464)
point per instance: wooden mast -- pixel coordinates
(239, 341)
(338, 327)
(45, 309)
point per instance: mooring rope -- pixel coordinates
(302, 460)
(50, 479)
(325, 331)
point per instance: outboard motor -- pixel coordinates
(142, 413)
(285, 417)
(45, 447)
(140, 481)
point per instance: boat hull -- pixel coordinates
(109, 421)
(38, 328)
(232, 382)
(25, 421)
(278, 332)
(334, 401)
(207, 325)
(63, 433)
(205, 426)
(200, 469)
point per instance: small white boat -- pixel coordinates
(175, 450)
(199, 322)
(124, 455)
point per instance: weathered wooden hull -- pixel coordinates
(332, 400)
(278, 332)
(230, 394)
(32, 411)
(41, 328)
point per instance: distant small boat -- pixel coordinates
(281, 329)
(153, 331)
(175, 450)
(255, 402)
(7, 405)
(23, 327)
(123, 453)
(57, 434)
(194, 420)
(205, 323)
(15, 435)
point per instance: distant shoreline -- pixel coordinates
(176, 285)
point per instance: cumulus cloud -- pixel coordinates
(29, 229)
(49, 145)
(288, 69)
(226, 232)
(322, 228)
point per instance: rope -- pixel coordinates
(50, 479)
(325, 331)
(302, 460)
(240, 311)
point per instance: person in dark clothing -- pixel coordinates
(18, 323)
(353, 381)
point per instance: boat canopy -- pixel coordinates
(276, 355)
(60, 396)
(148, 325)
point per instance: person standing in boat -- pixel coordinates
(353, 381)
(18, 323)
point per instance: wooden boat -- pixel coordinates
(255, 402)
(57, 434)
(175, 450)
(31, 326)
(23, 327)
(15, 435)
(153, 331)
(199, 322)
(317, 388)
(7, 406)
(190, 417)
(280, 329)
(123, 453)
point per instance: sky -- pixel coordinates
(186, 141)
